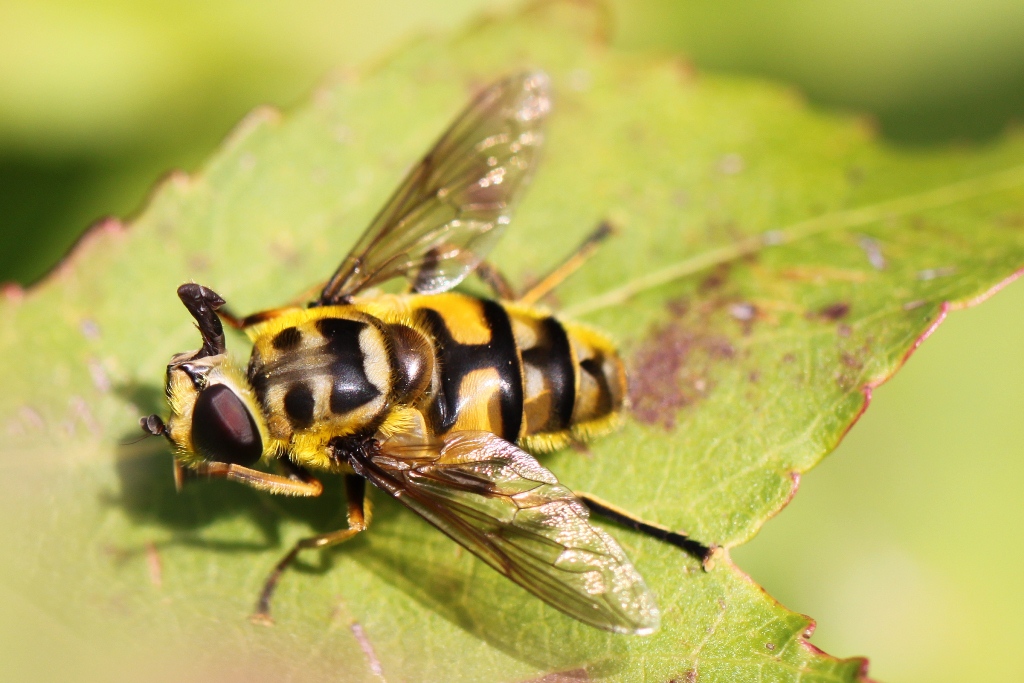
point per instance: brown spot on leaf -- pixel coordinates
(679, 307)
(720, 347)
(670, 370)
(836, 311)
(848, 374)
(656, 393)
(851, 361)
(843, 381)
(716, 279)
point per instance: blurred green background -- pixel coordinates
(902, 544)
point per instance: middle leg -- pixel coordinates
(569, 266)
(358, 520)
(494, 279)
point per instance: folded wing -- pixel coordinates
(499, 502)
(454, 205)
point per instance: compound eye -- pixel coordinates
(223, 430)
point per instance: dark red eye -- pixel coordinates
(223, 430)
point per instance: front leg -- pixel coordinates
(358, 520)
(261, 481)
(241, 323)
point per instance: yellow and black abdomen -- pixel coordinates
(518, 372)
(464, 363)
(574, 380)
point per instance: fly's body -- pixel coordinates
(435, 397)
(446, 362)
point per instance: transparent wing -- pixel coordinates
(453, 206)
(500, 503)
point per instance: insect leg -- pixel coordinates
(586, 249)
(240, 322)
(293, 471)
(616, 514)
(358, 520)
(262, 481)
(493, 278)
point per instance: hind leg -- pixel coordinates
(494, 279)
(616, 514)
(569, 266)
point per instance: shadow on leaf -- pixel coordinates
(421, 562)
(404, 551)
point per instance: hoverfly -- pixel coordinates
(433, 396)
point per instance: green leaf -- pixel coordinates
(772, 265)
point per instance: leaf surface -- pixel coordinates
(772, 264)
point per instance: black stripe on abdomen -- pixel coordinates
(459, 360)
(603, 402)
(552, 356)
